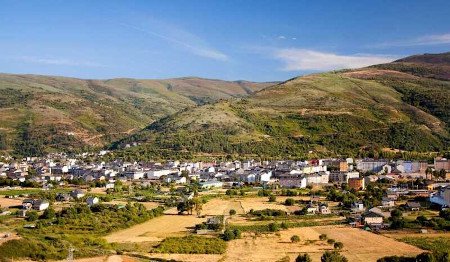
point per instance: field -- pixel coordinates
(433, 241)
(359, 245)
(10, 202)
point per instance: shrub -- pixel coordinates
(332, 257)
(273, 227)
(331, 241)
(295, 239)
(303, 258)
(192, 245)
(272, 198)
(338, 245)
(289, 202)
(323, 237)
(32, 216)
(232, 212)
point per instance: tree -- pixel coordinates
(232, 212)
(272, 198)
(303, 258)
(332, 257)
(338, 245)
(397, 220)
(198, 206)
(273, 227)
(295, 239)
(32, 216)
(289, 202)
(49, 213)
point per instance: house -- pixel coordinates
(356, 183)
(324, 210)
(77, 193)
(413, 206)
(292, 181)
(27, 203)
(40, 205)
(442, 197)
(211, 184)
(373, 219)
(357, 207)
(387, 202)
(92, 201)
(62, 197)
(312, 209)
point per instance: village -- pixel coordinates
(237, 201)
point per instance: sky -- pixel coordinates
(229, 39)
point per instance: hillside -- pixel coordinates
(349, 112)
(44, 113)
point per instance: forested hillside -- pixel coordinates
(40, 114)
(404, 105)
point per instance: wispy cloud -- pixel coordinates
(57, 61)
(419, 41)
(180, 38)
(304, 59)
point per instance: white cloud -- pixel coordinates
(179, 38)
(58, 61)
(305, 59)
(281, 37)
(423, 40)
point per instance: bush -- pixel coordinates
(272, 198)
(323, 236)
(32, 216)
(295, 239)
(332, 257)
(303, 258)
(289, 202)
(338, 245)
(192, 245)
(331, 241)
(231, 234)
(268, 212)
(273, 227)
(232, 212)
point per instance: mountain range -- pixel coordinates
(44, 113)
(403, 105)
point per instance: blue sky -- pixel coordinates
(231, 40)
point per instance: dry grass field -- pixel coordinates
(172, 224)
(359, 245)
(10, 202)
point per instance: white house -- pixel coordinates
(158, 173)
(77, 193)
(41, 205)
(92, 201)
(211, 184)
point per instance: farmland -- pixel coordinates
(359, 245)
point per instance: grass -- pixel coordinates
(434, 244)
(192, 245)
(267, 228)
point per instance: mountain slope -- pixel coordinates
(350, 112)
(42, 113)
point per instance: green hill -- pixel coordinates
(44, 113)
(404, 105)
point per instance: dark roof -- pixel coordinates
(413, 204)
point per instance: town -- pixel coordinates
(231, 199)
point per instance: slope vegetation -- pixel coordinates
(349, 112)
(42, 113)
